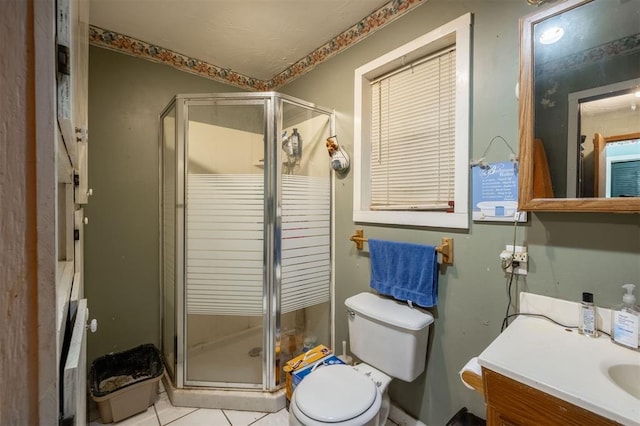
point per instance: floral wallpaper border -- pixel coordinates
(131, 46)
(623, 46)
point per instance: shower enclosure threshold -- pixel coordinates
(225, 399)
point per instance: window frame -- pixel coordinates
(457, 31)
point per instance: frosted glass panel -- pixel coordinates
(306, 233)
(306, 239)
(225, 244)
(225, 223)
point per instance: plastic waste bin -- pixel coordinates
(465, 418)
(125, 383)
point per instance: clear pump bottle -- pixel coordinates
(625, 319)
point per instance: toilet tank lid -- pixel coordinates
(389, 311)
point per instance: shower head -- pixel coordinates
(286, 144)
(292, 145)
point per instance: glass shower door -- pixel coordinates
(306, 230)
(246, 237)
(224, 243)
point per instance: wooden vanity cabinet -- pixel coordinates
(511, 403)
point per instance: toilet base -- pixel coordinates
(384, 410)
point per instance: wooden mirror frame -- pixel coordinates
(526, 200)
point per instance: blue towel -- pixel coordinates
(405, 271)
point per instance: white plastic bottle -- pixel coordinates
(625, 320)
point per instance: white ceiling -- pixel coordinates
(257, 38)
(611, 104)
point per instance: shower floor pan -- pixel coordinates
(227, 361)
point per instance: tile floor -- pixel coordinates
(163, 413)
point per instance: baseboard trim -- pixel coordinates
(400, 417)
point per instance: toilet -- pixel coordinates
(390, 338)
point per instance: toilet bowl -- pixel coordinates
(341, 395)
(390, 337)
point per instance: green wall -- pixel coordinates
(569, 253)
(126, 96)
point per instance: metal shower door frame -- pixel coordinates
(273, 107)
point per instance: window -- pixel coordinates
(625, 179)
(412, 132)
(622, 168)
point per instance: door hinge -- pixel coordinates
(64, 62)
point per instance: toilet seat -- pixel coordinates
(336, 394)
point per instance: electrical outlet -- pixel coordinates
(519, 259)
(520, 256)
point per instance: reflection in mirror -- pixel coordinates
(612, 115)
(580, 71)
(616, 164)
(592, 46)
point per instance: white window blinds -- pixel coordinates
(413, 135)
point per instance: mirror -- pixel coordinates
(579, 107)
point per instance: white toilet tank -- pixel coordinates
(388, 334)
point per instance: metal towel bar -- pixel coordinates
(445, 248)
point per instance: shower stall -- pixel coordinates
(245, 238)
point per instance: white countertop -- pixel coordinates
(565, 364)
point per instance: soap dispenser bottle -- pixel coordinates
(625, 320)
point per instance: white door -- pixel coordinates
(74, 400)
(72, 191)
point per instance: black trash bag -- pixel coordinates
(113, 372)
(465, 418)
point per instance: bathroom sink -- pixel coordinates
(627, 377)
